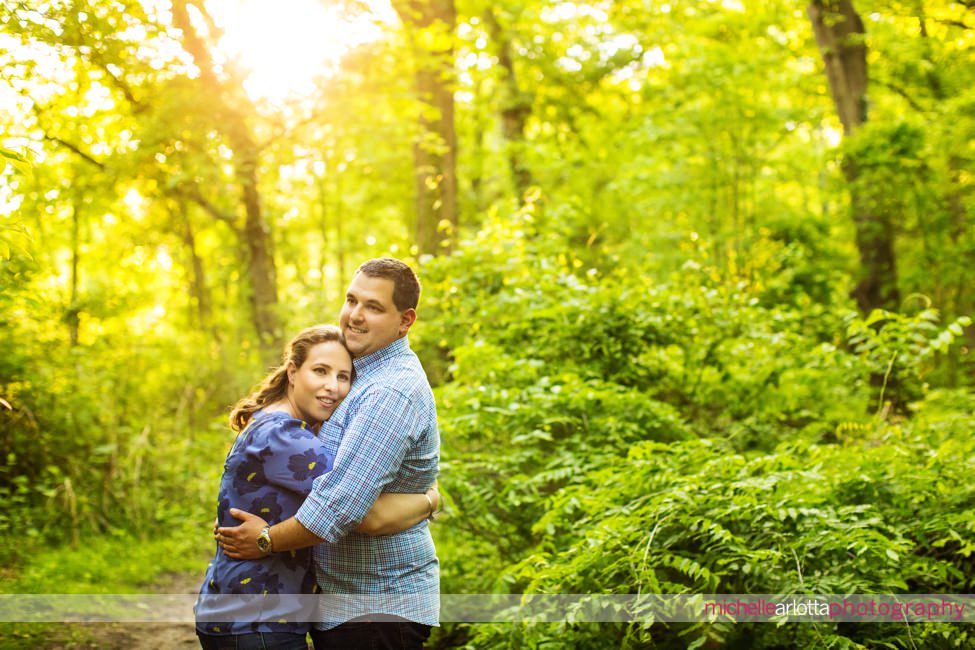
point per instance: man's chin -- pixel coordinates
(355, 350)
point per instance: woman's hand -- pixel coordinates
(240, 542)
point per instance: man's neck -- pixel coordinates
(377, 350)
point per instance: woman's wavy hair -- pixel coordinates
(275, 385)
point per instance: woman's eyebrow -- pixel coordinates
(322, 364)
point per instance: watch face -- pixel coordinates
(264, 542)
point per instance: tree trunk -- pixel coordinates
(840, 35)
(515, 106)
(73, 315)
(256, 231)
(260, 248)
(323, 219)
(877, 286)
(340, 243)
(435, 150)
(198, 286)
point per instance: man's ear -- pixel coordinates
(406, 321)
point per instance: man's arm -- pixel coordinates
(394, 512)
(391, 513)
(383, 428)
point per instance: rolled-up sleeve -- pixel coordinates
(373, 446)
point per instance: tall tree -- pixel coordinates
(255, 232)
(840, 35)
(160, 122)
(515, 103)
(430, 27)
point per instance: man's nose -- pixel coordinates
(356, 314)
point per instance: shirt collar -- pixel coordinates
(374, 359)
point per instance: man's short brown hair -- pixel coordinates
(406, 286)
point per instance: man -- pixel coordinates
(384, 437)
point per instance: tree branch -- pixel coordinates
(903, 93)
(124, 88)
(952, 23)
(87, 157)
(281, 130)
(193, 43)
(191, 191)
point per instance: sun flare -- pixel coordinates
(285, 45)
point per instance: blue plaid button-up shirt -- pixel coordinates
(384, 439)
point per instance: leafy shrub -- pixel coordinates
(610, 432)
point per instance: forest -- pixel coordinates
(697, 288)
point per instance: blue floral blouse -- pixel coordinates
(268, 472)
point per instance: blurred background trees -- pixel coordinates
(674, 254)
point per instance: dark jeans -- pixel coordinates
(365, 633)
(255, 641)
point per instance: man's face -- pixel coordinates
(369, 319)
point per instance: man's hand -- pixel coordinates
(240, 542)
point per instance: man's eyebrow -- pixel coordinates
(369, 301)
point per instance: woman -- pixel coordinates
(269, 471)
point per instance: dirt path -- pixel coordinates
(140, 636)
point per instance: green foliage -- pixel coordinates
(648, 375)
(901, 348)
(89, 433)
(116, 563)
(607, 432)
(19, 161)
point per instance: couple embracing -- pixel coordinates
(332, 480)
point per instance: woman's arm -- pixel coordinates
(391, 513)
(395, 512)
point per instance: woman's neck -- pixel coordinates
(284, 405)
(281, 406)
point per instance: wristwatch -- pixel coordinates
(264, 541)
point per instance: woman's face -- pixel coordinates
(321, 383)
